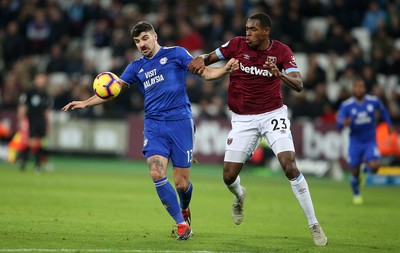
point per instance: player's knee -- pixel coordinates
(290, 169)
(181, 185)
(374, 165)
(229, 177)
(231, 171)
(155, 175)
(288, 164)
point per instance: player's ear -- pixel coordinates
(267, 31)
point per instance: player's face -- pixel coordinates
(256, 36)
(359, 89)
(146, 43)
(41, 81)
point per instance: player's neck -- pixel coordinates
(360, 99)
(265, 45)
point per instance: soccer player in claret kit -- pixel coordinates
(168, 125)
(359, 114)
(255, 99)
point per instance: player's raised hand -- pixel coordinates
(73, 105)
(196, 66)
(272, 68)
(232, 65)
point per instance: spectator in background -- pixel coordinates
(13, 45)
(76, 18)
(315, 74)
(369, 76)
(10, 90)
(188, 37)
(373, 17)
(394, 66)
(213, 32)
(383, 41)
(58, 27)
(379, 61)
(392, 21)
(74, 60)
(119, 43)
(355, 58)
(58, 61)
(38, 33)
(293, 30)
(102, 34)
(338, 40)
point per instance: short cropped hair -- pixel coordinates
(142, 26)
(265, 20)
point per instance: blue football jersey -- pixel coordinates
(363, 117)
(162, 81)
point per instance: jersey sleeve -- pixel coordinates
(289, 61)
(129, 74)
(342, 114)
(183, 57)
(227, 50)
(384, 112)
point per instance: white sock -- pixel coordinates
(302, 193)
(236, 188)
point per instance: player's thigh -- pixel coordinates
(282, 144)
(242, 141)
(276, 126)
(355, 155)
(181, 133)
(155, 139)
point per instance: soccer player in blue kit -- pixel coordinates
(168, 126)
(359, 114)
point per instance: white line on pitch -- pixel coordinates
(106, 250)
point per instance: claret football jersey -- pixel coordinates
(253, 89)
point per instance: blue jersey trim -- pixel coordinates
(287, 71)
(219, 54)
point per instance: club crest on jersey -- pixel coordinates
(163, 60)
(229, 141)
(271, 59)
(293, 61)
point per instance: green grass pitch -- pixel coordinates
(110, 205)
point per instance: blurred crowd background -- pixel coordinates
(73, 40)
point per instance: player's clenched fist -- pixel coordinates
(196, 66)
(232, 65)
(272, 68)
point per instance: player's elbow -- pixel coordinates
(299, 87)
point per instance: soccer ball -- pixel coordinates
(106, 85)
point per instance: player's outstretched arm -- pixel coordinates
(210, 73)
(197, 65)
(92, 101)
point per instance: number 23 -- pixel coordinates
(279, 125)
